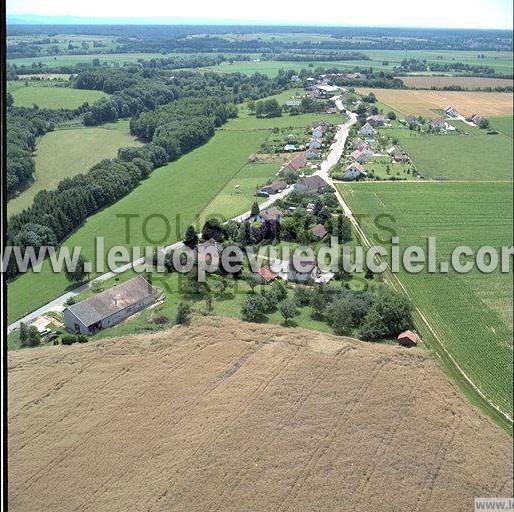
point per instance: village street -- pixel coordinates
(332, 158)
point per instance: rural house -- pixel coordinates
(312, 154)
(451, 112)
(355, 171)
(318, 231)
(412, 121)
(323, 125)
(367, 130)
(376, 121)
(315, 143)
(208, 252)
(271, 214)
(359, 156)
(399, 156)
(110, 307)
(274, 188)
(267, 275)
(438, 124)
(297, 163)
(311, 184)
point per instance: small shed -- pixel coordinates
(408, 339)
(267, 274)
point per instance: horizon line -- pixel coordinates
(40, 19)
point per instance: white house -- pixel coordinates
(354, 171)
(367, 130)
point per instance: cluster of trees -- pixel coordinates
(314, 56)
(412, 65)
(265, 108)
(54, 214)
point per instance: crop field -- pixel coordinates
(467, 82)
(426, 103)
(470, 312)
(475, 156)
(63, 153)
(261, 418)
(53, 97)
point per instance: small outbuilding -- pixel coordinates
(408, 339)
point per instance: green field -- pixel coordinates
(68, 152)
(53, 97)
(471, 313)
(503, 124)
(475, 156)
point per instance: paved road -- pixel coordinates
(59, 303)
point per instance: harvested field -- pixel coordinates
(425, 103)
(467, 82)
(231, 416)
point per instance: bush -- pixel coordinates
(82, 339)
(68, 339)
(302, 296)
(339, 316)
(253, 309)
(183, 313)
(287, 309)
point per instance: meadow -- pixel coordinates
(53, 97)
(427, 103)
(473, 156)
(471, 313)
(63, 153)
(502, 124)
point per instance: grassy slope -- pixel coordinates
(54, 97)
(471, 312)
(65, 153)
(502, 124)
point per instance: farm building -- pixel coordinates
(451, 112)
(274, 188)
(367, 130)
(438, 124)
(478, 119)
(311, 184)
(408, 339)
(110, 307)
(354, 171)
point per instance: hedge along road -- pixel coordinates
(58, 304)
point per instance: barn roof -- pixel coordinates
(107, 303)
(412, 336)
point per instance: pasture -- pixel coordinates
(63, 153)
(53, 97)
(473, 156)
(471, 313)
(426, 103)
(502, 124)
(466, 82)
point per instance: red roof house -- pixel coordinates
(408, 339)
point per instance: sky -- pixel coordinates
(395, 13)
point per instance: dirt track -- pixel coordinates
(226, 416)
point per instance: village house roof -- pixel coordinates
(318, 231)
(358, 167)
(297, 162)
(376, 119)
(313, 183)
(412, 120)
(271, 214)
(105, 304)
(324, 125)
(274, 187)
(267, 274)
(366, 128)
(358, 154)
(408, 336)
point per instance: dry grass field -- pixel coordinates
(424, 103)
(467, 82)
(229, 416)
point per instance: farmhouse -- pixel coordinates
(110, 307)
(412, 121)
(274, 188)
(376, 121)
(367, 130)
(399, 156)
(359, 156)
(451, 112)
(354, 171)
(438, 124)
(304, 272)
(311, 184)
(408, 339)
(478, 119)
(318, 231)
